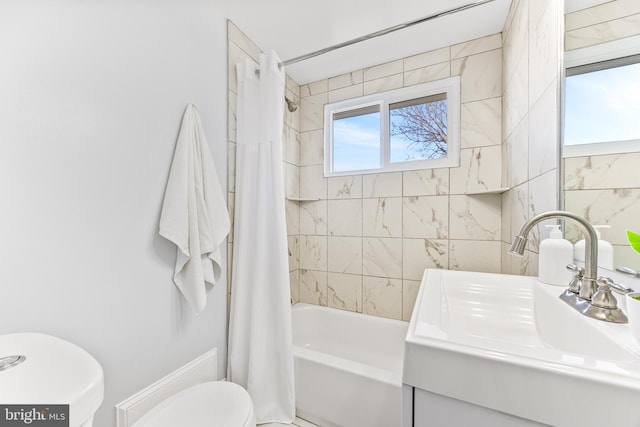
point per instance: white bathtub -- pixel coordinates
(348, 367)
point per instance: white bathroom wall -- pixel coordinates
(91, 98)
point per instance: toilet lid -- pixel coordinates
(215, 403)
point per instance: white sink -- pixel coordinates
(509, 343)
(54, 371)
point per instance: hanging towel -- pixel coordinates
(194, 214)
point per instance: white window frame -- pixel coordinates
(588, 55)
(450, 86)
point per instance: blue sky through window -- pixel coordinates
(603, 106)
(356, 142)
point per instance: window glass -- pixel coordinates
(418, 129)
(602, 102)
(356, 140)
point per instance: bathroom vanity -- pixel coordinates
(491, 349)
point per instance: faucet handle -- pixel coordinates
(617, 287)
(629, 271)
(604, 305)
(579, 270)
(603, 297)
(576, 282)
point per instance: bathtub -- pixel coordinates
(348, 367)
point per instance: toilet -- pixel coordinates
(38, 370)
(213, 403)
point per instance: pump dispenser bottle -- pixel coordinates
(605, 250)
(555, 254)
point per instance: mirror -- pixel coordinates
(602, 181)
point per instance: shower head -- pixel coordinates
(291, 105)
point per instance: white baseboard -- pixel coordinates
(201, 369)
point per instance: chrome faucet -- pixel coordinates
(587, 293)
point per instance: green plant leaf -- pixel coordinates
(634, 240)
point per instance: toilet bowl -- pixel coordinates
(214, 403)
(48, 375)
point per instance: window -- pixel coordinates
(602, 99)
(603, 102)
(411, 128)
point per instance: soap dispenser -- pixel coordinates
(605, 250)
(555, 254)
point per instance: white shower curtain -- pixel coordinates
(260, 346)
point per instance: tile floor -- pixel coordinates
(298, 422)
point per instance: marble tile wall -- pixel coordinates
(609, 21)
(605, 189)
(366, 242)
(532, 43)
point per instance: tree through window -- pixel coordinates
(419, 128)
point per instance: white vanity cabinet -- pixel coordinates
(425, 409)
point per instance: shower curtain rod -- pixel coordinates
(381, 33)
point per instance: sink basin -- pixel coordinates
(509, 343)
(53, 371)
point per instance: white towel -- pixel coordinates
(194, 214)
